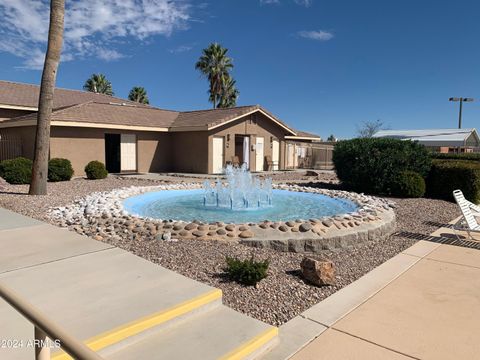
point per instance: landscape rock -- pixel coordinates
(221, 232)
(318, 272)
(230, 227)
(198, 233)
(190, 226)
(246, 234)
(327, 222)
(305, 227)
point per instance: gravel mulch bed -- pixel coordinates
(283, 294)
(15, 197)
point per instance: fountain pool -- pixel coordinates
(188, 205)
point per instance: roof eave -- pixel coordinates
(18, 107)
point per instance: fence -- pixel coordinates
(10, 146)
(316, 156)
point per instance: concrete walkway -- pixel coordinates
(422, 304)
(118, 304)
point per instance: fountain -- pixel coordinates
(241, 191)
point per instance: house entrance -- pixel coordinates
(112, 153)
(120, 152)
(242, 147)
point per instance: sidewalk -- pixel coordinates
(422, 304)
(118, 304)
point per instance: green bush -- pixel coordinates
(16, 171)
(247, 272)
(454, 156)
(371, 165)
(409, 184)
(59, 170)
(96, 170)
(448, 175)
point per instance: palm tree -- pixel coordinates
(138, 94)
(98, 83)
(229, 94)
(38, 185)
(215, 65)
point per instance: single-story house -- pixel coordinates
(132, 137)
(440, 140)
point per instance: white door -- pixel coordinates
(259, 154)
(128, 152)
(275, 154)
(218, 155)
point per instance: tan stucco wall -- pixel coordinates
(190, 151)
(82, 145)
(253, 125)
(159, 151)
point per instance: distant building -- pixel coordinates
(440, 140)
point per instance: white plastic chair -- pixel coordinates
(468, 217)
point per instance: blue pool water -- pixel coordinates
(187, 205)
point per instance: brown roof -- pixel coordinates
(87, 107)
(306, 134)
(26, 95)
(111, 114)
(216, 117)
(210, 117)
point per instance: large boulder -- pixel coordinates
(318, 272)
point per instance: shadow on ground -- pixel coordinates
(445, 238)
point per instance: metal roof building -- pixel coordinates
(435, 137)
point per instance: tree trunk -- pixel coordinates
(38, 186)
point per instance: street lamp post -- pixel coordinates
(461, 100)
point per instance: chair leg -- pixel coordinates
(456, 234)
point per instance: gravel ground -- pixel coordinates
(283, 294)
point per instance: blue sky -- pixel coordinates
(322, 66)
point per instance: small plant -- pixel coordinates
(96, 170)
(247, 272)
(409, 184)
(16, 171)
(59, 170)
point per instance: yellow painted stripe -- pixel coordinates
(137, 326)
(250, 346)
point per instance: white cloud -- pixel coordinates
(108, 54)
(305, 3)
(180, 49)
(319, 35)
(92, 28)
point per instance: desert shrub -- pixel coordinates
(448, 175)
(59, 169)
(16, 171)
(247, 272)
(371, 165)
(409, 184)
(96, 170)
(454, 156)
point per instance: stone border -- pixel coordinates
(104, 212)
